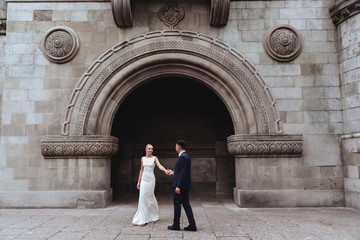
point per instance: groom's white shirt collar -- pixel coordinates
(181, 153)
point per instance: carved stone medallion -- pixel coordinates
(60, 44)
(171, 14)
(283, 43)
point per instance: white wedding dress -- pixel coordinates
(148, 209)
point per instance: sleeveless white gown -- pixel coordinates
(148, 209)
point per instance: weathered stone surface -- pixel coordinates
(315, 95)
(43, 15)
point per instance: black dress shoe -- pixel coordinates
(172, 227)
(190, 228)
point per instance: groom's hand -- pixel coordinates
(169, 172)
(177, 190)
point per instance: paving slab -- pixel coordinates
(217, 219)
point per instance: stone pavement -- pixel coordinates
(216, 219)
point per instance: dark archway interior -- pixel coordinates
(161, 112)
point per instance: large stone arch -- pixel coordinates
(86, 133)
(171, 53)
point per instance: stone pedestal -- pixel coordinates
(80, 172)
(270, 172)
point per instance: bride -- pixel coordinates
(148, 210)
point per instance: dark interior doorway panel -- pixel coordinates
(161, 112)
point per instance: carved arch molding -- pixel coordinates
(122, 12)
(116, 73)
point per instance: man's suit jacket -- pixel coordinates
(182, 172)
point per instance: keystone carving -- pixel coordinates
(219, 12)
(343, 10)
(122, 14)
(2, 26)
(171, 15)
(78, 146)
(265, 145)
(60, 44)
(283, 43)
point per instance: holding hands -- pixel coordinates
(169, 172)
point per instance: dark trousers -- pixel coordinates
(183, 199)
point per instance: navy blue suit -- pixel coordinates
(182, 180)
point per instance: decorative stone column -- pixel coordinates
(345, 16)
(260, 160)
(81, 170)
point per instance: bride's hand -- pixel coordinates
(138, 186)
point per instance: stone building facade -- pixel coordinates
(266, 93)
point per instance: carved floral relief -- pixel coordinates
(78, 146)
(60, 44)
(283, 43)
(171, 14)
(269, 145)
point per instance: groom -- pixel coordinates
(182, 184)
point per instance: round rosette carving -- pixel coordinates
(60, 44)
(283, 43)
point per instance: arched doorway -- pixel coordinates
(161, 112)
(116, 74)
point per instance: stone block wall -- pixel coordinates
(36, 92)
(308, 95)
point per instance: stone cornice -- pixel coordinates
(265, 145)
(344, 9)
(87, 146)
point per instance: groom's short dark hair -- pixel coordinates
(182, 144)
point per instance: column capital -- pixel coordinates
(265, 145)
(344, 9)
(88, 146)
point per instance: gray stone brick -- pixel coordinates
(79, 16)
(43, 15)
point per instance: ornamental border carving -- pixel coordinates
(265, 145)
(125, 53)
(78, 146)
(283, 43)
(63, 45)
(122, 13)
(219, 12)
(343, 10)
